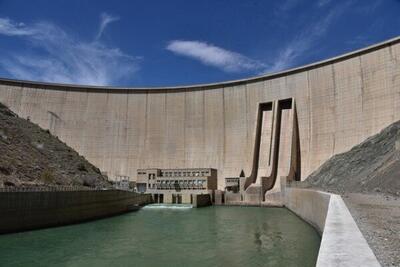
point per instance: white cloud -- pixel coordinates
(322, 3)
(284, 58)
(105, 19)
(10, 28)
(304, 41)
(215, 56)
(58, 57)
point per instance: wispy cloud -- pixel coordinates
(105, 19)
(59, 57)
(322, 3)
(368, 8)
(10, 28)
(286, 57)
(215, 56)
(285, 6)
(305, 40)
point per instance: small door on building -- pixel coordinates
(161, 198)
(179, 199)
(173, 198)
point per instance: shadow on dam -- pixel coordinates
(212, 236)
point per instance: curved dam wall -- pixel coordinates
(339, 103)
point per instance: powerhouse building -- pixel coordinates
(177, 186)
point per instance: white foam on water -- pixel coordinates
(168, 206)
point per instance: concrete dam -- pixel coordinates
(282, 124)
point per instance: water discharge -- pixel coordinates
(168, 206)
(162, 236)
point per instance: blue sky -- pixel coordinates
(164, 43)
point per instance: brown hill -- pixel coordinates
(373, 166)
(31, 156)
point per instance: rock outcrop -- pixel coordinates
(373, 166)
(32, 156)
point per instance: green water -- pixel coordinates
(213, 236)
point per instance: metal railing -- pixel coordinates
(49, 189)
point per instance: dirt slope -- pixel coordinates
(370, 167)
(31, 156)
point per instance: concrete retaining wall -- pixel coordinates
(310, 205)
(31, 210)
(342, 242)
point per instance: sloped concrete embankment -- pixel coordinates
(21, 211)
(342, 242)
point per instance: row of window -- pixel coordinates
(177, 174)
(195, 182)
(200, 185)
(169, 187)
(232, 180)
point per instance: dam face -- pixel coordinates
(339, 103)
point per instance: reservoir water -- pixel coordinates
(212, 236)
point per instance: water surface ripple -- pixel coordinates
(212, 236)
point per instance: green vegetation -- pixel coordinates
(47, 176)
(82, 167)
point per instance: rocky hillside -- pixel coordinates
(370, 167)
(31, 156)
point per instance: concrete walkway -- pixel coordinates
(342, 243)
